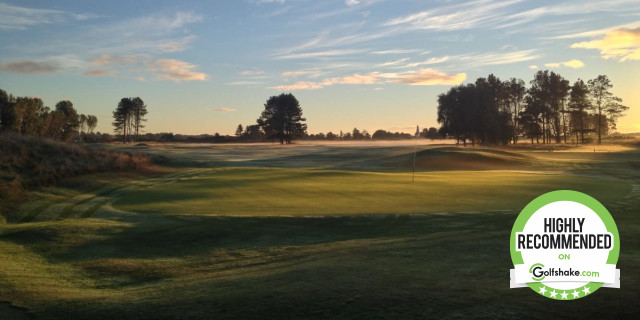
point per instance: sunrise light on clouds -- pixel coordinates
(355, 60)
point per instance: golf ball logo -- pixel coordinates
(565, 246)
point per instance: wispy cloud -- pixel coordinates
(430, 61)
(497, 58)
(393, 63)
(107, 59)
(597, 32)
(224, 109)
(396, 51)
(29, 67)
(462, 16)
(420, 77)
(176, 70)
(98, 73)
(357, 2)
(571, 64)
(569, 8)
(176, 46)
(300, 85)
(243, 83)
(17, 17)
(430, 77)
(622, 44)
(251, 72)
(163, 69)
(320, 54)
(297, 73)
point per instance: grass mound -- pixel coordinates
(27, 161)
(454, 158)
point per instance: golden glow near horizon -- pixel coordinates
(207, 67)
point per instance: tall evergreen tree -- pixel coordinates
(607, 106)
(282, 118)
(579, 105)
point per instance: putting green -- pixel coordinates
(302, 192)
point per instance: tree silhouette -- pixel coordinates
(607, 106)
(70, 118)
(579, 104)
(282, 118)
(92, 122)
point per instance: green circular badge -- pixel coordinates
(564, 246)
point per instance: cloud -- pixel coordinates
(176, 70)
(20, 18)
(357, 2)
(597, 32)
(30, 67)
(300, 73)
(393, 63)
(533, 67)
(97, 73)
(396, 51)
(107, 59)
(571, 64)
(243, 83)
(300, 85)
(163, 69)
(430, 77)
(434, 60)
(424, 77)
(496, 58)
(373, 77)
(463, 16)
(320, 54)
(251, 73)
(176, 46)
(224, 110)
(571, 8)
(622, 44)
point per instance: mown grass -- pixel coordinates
(301, 192)
(298, 243)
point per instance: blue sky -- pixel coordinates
(206, 66)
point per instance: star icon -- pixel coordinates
(576, 294)
(542, 290)
(553, 293)
(564, 295)
(586, 290)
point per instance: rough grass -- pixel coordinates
(28, 161)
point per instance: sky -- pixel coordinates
(206, 66)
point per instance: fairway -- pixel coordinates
(308, 231)
(305, 192)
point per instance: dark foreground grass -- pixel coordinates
(453, 266)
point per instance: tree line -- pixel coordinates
(29, 116)
(492, 111)
(253, 133)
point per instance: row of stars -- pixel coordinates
(564, 294)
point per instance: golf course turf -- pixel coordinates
(309, 231)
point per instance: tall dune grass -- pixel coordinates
(29, 161)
